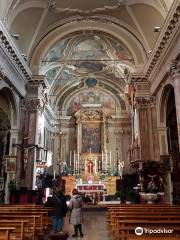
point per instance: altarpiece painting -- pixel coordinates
(91, 138)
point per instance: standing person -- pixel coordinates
(59, 209)
(75, 207)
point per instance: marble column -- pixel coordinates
(175, 71)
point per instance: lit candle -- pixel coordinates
(54, 174)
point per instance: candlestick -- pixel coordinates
(70, 159)
(74, 162)
(99, 165)
(106, 159)
(102, 159)
(110, 157)
(78, 163)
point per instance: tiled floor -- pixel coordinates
(94, 227)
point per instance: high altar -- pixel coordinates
(91, 160)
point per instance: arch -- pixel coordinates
(57, 32)
(113, 89)
(152, 3)
(9, 104)
(12, 13)
(163, 103)
(66, 103)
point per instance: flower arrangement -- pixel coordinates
(12, 185)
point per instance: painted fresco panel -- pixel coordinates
(92, 98)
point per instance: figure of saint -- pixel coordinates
(120, 167)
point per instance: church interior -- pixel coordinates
(90, 99)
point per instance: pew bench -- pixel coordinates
(5, 232)
(126, 228)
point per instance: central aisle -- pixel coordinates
(94, 226)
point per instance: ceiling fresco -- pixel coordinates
(56, 52)
(73, 59)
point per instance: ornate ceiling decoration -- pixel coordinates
(103, 6)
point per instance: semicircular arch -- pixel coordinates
(120, 33)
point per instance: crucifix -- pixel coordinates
(24, 148)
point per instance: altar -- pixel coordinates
(91, 163)
(90, 188)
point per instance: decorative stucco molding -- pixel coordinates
(167, 33)
(13, 53)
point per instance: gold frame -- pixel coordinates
(10, 164)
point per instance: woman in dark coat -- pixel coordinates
(75, 207)
(59, 209)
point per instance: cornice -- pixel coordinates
(167, 32)
(138, 77)
(13, 53)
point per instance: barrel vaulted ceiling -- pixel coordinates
(69, 41)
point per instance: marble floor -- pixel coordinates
(94, 227)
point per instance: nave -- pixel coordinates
(95, 226)
(115, 222)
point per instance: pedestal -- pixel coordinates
(148, 198)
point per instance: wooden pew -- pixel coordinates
(42, 224)
(126, 228)
(5, 232)
(124, 219)
(18, 225)
(37, 217)
(31, 222)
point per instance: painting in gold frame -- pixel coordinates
(10, 164)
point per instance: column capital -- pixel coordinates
(175, 67)
(145, 102)
(32, 104)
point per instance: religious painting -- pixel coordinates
(74, 106)
(91, 138)
(89, 49)
(121, 51)
(56, 53)
(10, 164)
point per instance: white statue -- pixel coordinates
(120, 168)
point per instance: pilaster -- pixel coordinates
(148, 135)
(31, 107)
(175, 72)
